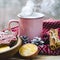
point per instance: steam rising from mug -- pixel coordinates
(51, 7)
(27, 10)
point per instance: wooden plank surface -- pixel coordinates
(40, 57)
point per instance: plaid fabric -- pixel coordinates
(47, 25)
(51, 23)
(45, 49)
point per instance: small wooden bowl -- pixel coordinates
(13, 50)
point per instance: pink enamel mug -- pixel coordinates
(30, 26)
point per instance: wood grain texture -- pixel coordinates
(39, 57)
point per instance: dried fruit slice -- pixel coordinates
(4, 48)
(28, 50)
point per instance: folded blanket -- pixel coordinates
(45, 49)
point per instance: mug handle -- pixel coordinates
(15, 21)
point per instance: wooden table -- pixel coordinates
(39, 57)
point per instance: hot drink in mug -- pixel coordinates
(30, 26)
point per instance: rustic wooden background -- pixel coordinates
(10, 8)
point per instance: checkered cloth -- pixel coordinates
(47, 25)
(45, 50)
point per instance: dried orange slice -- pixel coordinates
(28, 50)
(4, 48)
